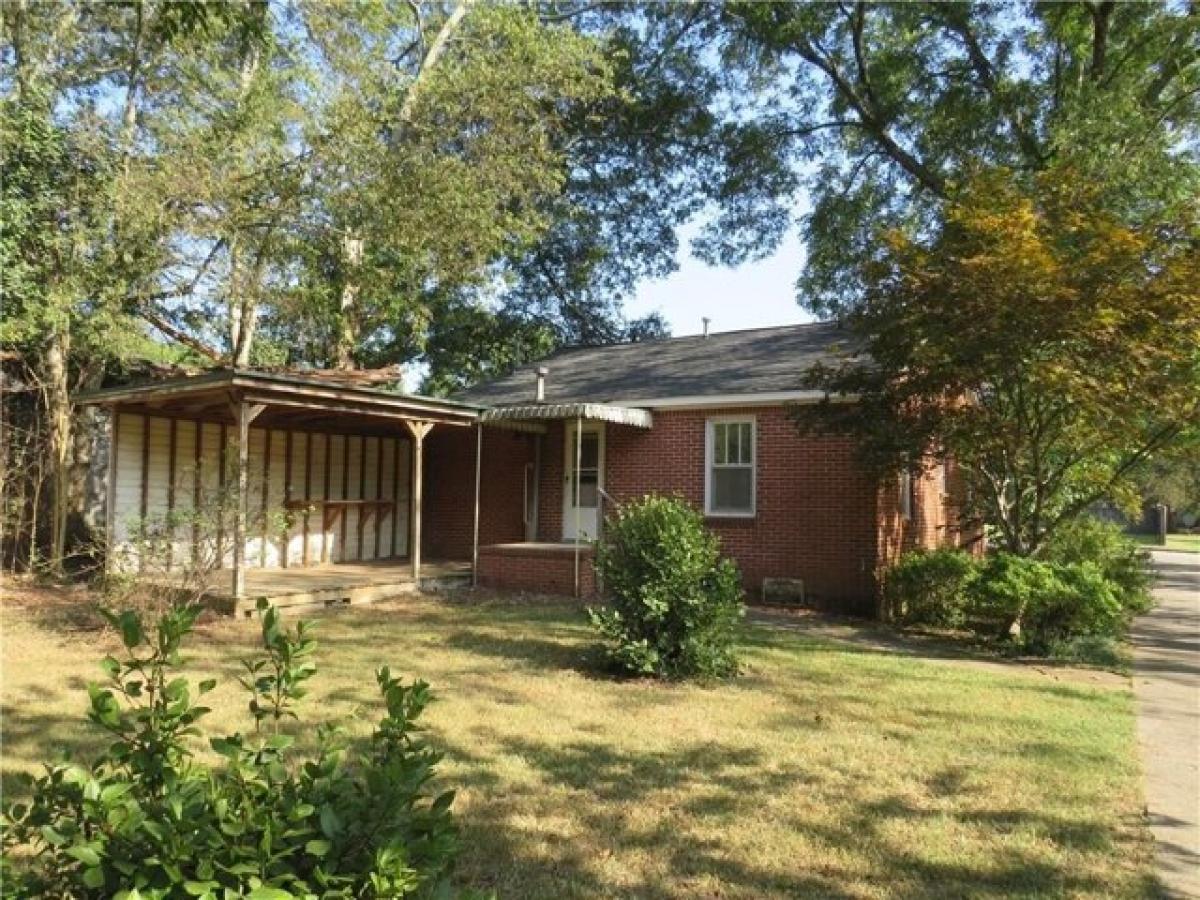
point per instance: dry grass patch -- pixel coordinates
(826, 770)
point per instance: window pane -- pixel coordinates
(732, 490)
(588, 493)
(590, 451)
(735, 434)
(719, 434)
(747, 443)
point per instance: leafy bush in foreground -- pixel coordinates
(147, 821)
(1122, 561)
(928, 587)
(1080, 593)
(1044, 603)
(674, 603)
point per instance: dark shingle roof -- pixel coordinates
(760, 360)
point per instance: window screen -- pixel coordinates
(730, 484)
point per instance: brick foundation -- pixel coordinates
(538, 568)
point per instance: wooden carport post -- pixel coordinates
(243, 414)
(418, 430)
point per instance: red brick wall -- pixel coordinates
(819, 516)
(815, 509)
(537, 569)
(935, 514)
(449, 487)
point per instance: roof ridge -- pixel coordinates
(691, 337)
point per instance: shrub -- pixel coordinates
(1044, 603)
(145, 820)
(929, 587)
(1123, 563)
(674, 602)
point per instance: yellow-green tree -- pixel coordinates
(1049, 347)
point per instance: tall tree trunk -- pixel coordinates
(243, 302)
(347, 339)
(56, 391)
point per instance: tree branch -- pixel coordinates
(870, 118)
(155, 318)
(431, 57)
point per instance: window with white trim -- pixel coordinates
(907, 497)
(729, 479)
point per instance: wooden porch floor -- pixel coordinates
(334, 583)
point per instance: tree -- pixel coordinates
(445, 155)
(1044, 344)
(880, 110)
(1173, 477)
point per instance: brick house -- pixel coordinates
(706, 418)
(338, 485)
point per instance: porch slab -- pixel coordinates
(334, 584)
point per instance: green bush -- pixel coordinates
(1122, 561)
(673, 601)
(929, 587)
(1042, 603)
(146, 820)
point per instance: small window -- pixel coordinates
(906, 495)
(729, 485)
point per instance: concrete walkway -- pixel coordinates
(1167, 686)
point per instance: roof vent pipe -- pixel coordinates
(705, 320)
(540, 395)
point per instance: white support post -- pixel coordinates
(534, 527)
(418, 430)
(578, 466)
(243, 414)
(475, 523)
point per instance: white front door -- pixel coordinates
(591, 481)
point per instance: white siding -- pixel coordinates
(320, 450)
(274, 519)
(296, 491)
(213, 531)
(255, 547)
(404, 448)
(354, 449)
(337, 456)
(128, 494)
(185, 487)
(355, 467)
(370, 492)
(387, 490)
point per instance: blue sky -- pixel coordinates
(748, 296)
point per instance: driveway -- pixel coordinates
(1166, 673)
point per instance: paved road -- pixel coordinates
(1166, 675)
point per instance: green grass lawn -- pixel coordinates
(1188, 542)
(825, 771)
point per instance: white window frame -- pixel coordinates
(709, 438)
(907, 498)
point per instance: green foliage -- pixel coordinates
(674, 602)
(1046, 346)
(892, 105)
(1123, 563)
(1048, 602)
(1072, 601)
(145, 820)
(929, 587)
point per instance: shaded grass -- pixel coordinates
(825, 771)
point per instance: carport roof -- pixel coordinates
(291, 400)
